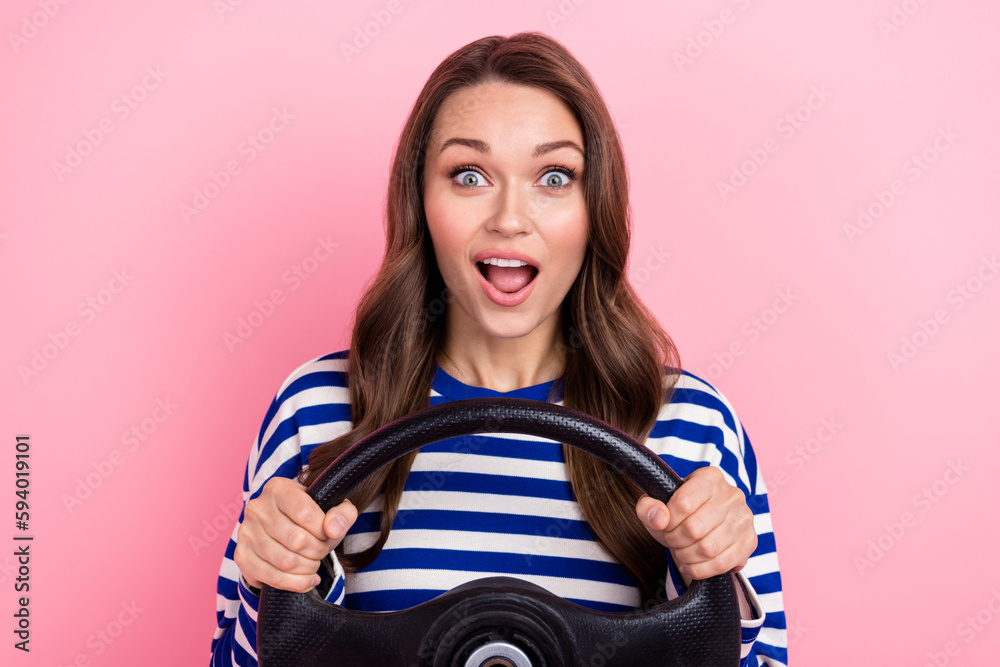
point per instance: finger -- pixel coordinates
(266, 520)
(254, 583)
(299, 507)
(272, 550)
(262, 570)
(698, 525)
(735, 556)
(339, 520)
(719, 543)
(708, 546)
(697, 489)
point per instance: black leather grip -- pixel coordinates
(699, 628)
(490, 415)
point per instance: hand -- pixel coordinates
(285, 535)
(706, 525)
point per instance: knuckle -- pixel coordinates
(277, 579)
(250, 511)
(298, 540)
(693, 528)
(287, 582)
(285, 561)
(245, 541)
(684, 503)
(708, 548)
(305, 511)
(272, 486)
(239, 555)
(296, 582)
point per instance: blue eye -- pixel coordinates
(562, 172)
(470, 175)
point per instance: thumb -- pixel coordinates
(339, 519)
(658, 516)
(653, 513)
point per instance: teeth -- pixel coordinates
(496, 261)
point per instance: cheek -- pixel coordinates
(438, 228)
(449, 252)
(574, 237)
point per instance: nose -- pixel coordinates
(515, 212)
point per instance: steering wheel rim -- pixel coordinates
(304, 629)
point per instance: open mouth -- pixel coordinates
(507, 275)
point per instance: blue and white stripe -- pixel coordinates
(494, 505)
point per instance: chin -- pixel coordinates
(510, 325)
(508, 332)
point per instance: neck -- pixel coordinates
(504, 364)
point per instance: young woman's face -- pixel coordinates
(503, 185)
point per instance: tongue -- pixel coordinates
(509, 278)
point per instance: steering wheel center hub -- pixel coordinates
(498, 654)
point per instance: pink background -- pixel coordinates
(874, 573)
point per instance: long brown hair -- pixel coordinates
(614, 348)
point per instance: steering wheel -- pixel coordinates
(499, 621)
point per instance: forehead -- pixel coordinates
(505, 111)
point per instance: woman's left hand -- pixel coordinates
(706, 525)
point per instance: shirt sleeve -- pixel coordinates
(765, 642)
(707, 417)
(276, 452)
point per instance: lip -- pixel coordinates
(505, 298)
(505, 254)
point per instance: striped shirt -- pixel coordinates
(494, 505)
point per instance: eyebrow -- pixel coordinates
(484, 147)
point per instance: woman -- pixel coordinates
(504, 275)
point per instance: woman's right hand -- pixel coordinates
(285, 535)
